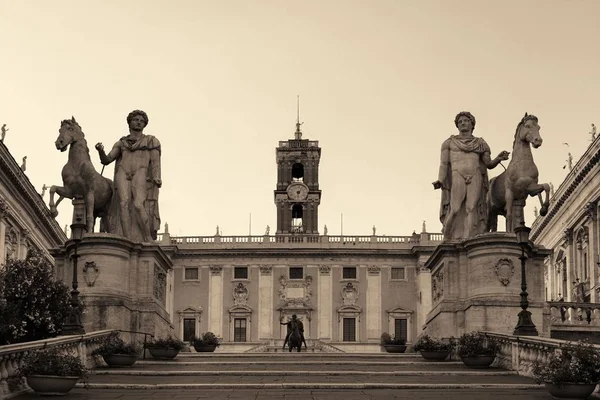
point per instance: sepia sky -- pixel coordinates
(380, 83)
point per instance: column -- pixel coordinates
(215, 300)
(265, 303)
(593, 249)
(373, 311)
(570, 265)
(325, 307)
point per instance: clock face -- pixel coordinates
(297, 191)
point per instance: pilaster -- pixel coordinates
(265, 302)
(215, 301)
(373, 313)
(325, 308)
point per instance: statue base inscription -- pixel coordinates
(124, 285)
(476, 285)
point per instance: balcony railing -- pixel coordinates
(563, 313)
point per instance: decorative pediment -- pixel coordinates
(349, 311)
(240, 311)
(399, 312)
(190, 312)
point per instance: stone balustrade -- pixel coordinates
(520, 353)
(307, 240)
(567, 313)
(11, 356)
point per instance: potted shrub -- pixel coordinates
(477, 350)
(165, 348)
(572, 371)
(391, 344)
(117, 353)
(50, 372)
(206, 342)
(432, 349)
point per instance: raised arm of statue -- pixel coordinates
(489, 163)
(106, 159)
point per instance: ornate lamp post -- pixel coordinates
(525, 326)
(78, 228)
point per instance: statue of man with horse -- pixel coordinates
(463, 179)
(510, 189)
(295, 334)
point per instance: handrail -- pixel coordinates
(146, 334)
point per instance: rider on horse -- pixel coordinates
(296, 321)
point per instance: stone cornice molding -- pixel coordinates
(32, 199)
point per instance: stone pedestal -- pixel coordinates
(476, 284)
(123, 284)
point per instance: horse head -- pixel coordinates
(69, 132)
(528, 131)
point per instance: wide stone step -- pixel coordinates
(292, 366)
(307, 377)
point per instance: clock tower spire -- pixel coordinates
(297, 195)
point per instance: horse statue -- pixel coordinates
(80, 178)
(295, 339)
(509, 190)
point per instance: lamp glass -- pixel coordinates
(522, 233)
(77, 231)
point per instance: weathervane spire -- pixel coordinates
(298, 134)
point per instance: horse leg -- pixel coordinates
(509, 211)
(544, 205)
(89, 210)
(62, 193)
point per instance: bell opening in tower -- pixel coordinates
(297, 219)
(298, 172)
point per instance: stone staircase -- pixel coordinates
(303, 376)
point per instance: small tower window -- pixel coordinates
(297, 219)
(298, 172)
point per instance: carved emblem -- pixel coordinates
(349, 294)
(265, 269)
(298, 294)
(374, 269)
(437, 285)
(504, 270)
(90, 272)
(240, 295)
(324, 269)
(216, 269)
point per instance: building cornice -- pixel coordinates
(25, 190)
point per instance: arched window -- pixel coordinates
(298, 172)
(297, 219)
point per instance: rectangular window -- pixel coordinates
(349, 329)
(398, 273)
(401, 328)
(240, 273)
(239, 330)
(191, 274)
(296, 273)
(349, 273)
(189, 329)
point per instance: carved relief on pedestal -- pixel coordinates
(504, 270)
(216, 269)
(437, 284)
(240, 295)
(90, 272)
(160, 284)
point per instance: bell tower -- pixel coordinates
(297, 196)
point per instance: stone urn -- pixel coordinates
(394, 348)
(435, 355)
(51, 385)
(569, 390)
(120, 360)
(165, 353)
(479, 361)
